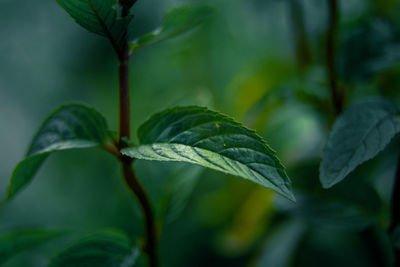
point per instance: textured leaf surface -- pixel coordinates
(17, 241)
(210, 139)
(107, 248)
(358, 135)
(176, 21)
(98, 16)
(68, 127)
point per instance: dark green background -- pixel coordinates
(241, 62)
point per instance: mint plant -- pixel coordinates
(191, 134)
(359, 134)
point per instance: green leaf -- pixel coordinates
(15, 242)
(284, 240)
(359, 134)
(176, 21)
(107, 248)
(68, 127)
(99, 16)
(210, 139)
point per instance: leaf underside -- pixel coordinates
(199, 136)
(69, 127)
(13, 243)
(98, 16)
(176, 21)
(358, 135)
(107, 248)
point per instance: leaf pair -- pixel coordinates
(358, 135)
(186, 134)
(103, 17)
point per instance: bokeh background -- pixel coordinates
(260, 61)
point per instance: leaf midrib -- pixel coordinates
(104, 26)
(222, 156)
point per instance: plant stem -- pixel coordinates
(127, 169)
(331, 43)
(124, 132)
(302, 49)
(396, 199)
(151, 238)
(124, 99)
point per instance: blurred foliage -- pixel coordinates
(244, 61)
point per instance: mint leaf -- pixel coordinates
(99, 16)
(176, 21)
(14, 242)
(69, 127)
(106, 248)
(359, 134)
(210, 139)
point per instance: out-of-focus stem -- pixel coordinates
(331, 44)
(396, 208)
(151, 236)
(302, 48)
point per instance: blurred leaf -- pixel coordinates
(248, 221)
(210, 139)
(176, 21)
(338, 210)
(339, 247)
(253, 89)
(341, 207)
(378, 51)
(294, 117)
(107, 248)
(358, 135)
(329, 213)
(179, 190)
(68, 127)
(98, 16)
(17, 241)
(282, 244)
(396, 237)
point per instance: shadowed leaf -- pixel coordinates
(358, 135)
(107, 248)
(17, 241)
(69, 127)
